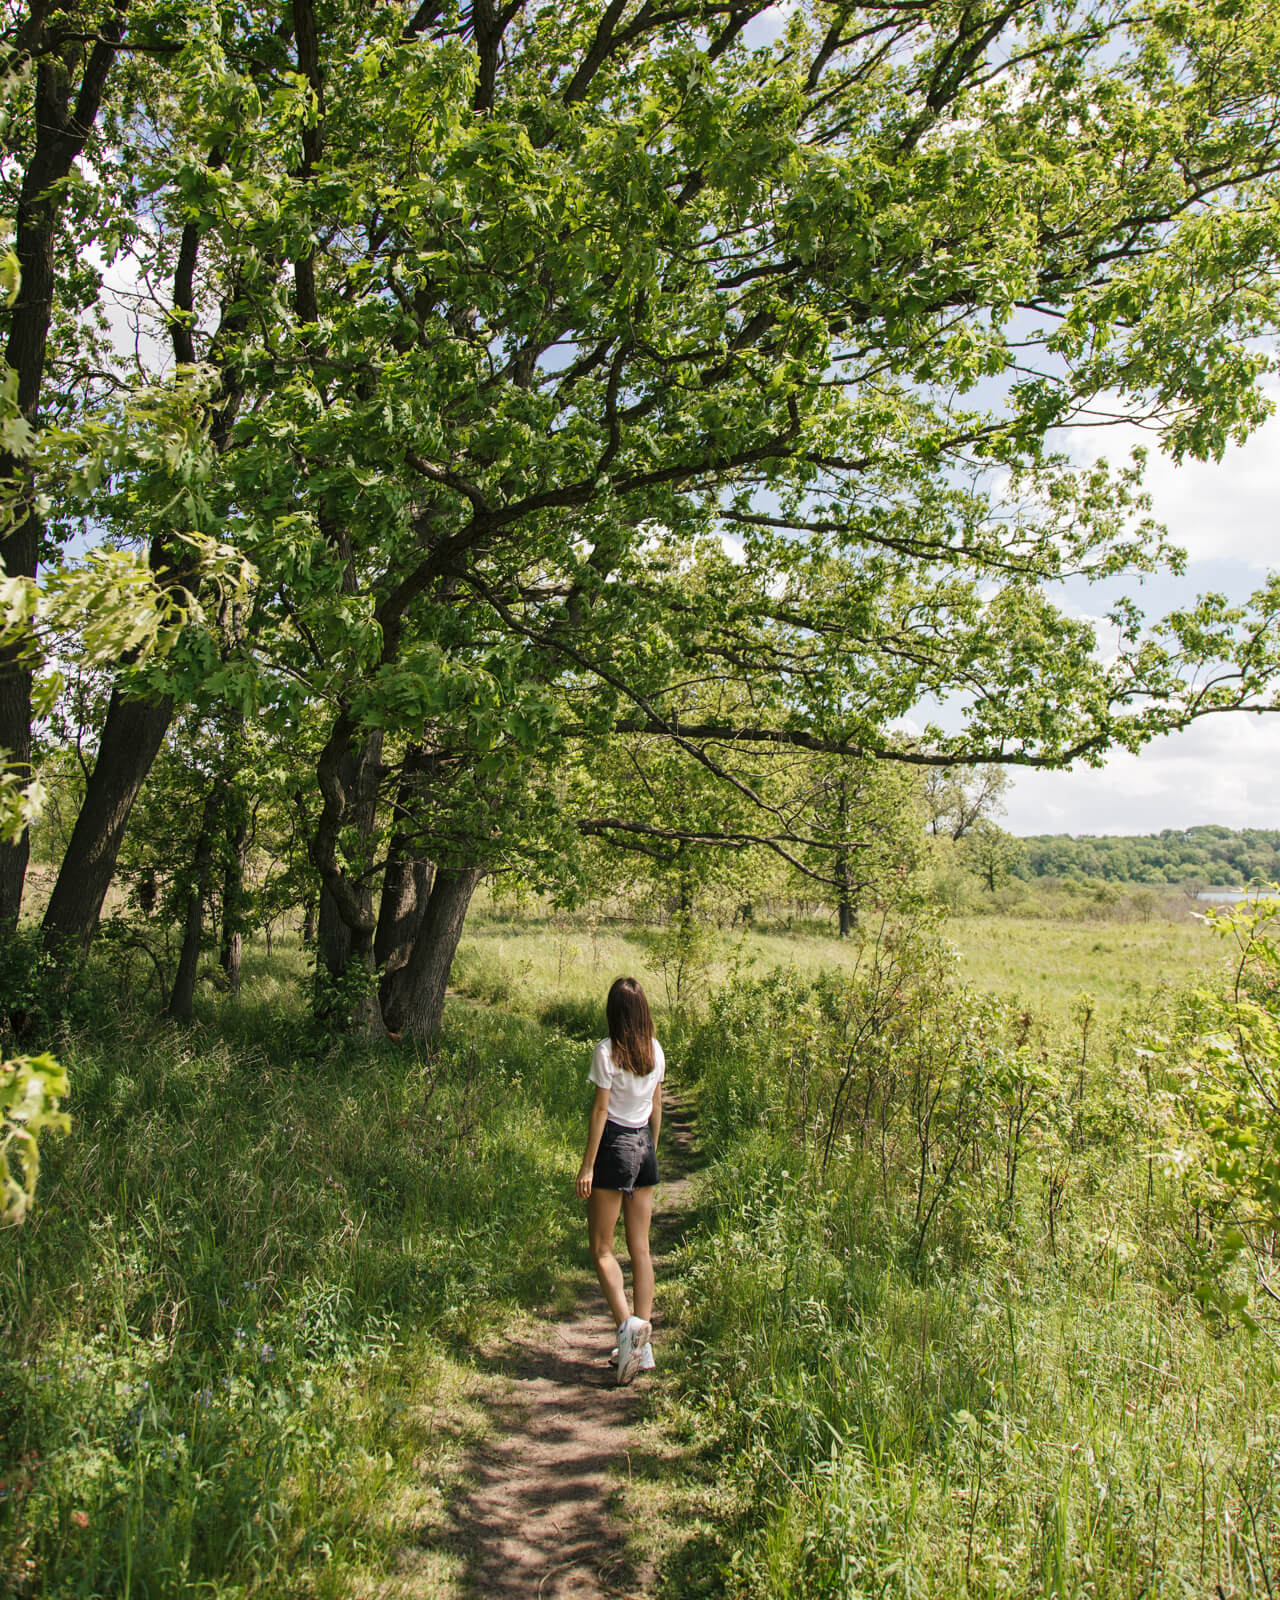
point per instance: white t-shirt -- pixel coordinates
(630, 1096)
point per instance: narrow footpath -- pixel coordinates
(538, 1521)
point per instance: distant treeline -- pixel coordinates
(1211, 855)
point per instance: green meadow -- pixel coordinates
(1044, 963)
(933, 1330)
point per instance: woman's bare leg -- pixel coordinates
(602, 1218)
(637, 1210)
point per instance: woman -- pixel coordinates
(620, 1167)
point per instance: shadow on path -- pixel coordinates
(538, 1521)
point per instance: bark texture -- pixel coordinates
(848, 914)
(348, 775)
(413, 995)
(406, 889)
(406, 883)
(131, 739)
(64, 118)
(182, 997)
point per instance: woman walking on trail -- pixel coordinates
(620, 1167)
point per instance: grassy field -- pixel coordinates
(236, 1332)
(1047, 964)
(916, 1346)
(1043, 964)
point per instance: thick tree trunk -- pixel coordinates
(182, 998)
(413, 995)
(348, 773)
(131, 739)
(406, 882)
(333, 938)
(406, 889)
(847, 915)
(61, 130)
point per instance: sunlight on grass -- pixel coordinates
(241, 1327)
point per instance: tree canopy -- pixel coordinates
(559, 370)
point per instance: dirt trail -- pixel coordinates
(538, 1521)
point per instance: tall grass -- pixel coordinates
(936, 1325)
(254, 1259)
(981, 1405)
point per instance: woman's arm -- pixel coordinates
(595, 1130)
(655, 1116)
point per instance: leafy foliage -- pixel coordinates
(1224, 1058)
(1208, 855)
(31, 1088)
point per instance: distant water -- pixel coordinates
(1231, 896)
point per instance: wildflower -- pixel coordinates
(265, 1353)
(80, 1518)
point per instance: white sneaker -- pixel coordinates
(633, 1335)
(647, 1363)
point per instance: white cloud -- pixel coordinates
(1227, 516)
(1221, 770)
(769, 25)
(1218, 510)
(131, 312)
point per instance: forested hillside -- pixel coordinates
(1207, 856)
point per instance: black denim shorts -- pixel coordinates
(626, 1159)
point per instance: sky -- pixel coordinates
(1226, 515)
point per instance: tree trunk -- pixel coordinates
(309, 919)
(232, 955)
(131, 740)
(413, 995)
(182, 999)
(348, 773)
(848, 914)
(233, 892)
(333, 938)
(406, 883)
(61, 131)
(406, 889)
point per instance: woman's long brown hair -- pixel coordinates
(630, 1027)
